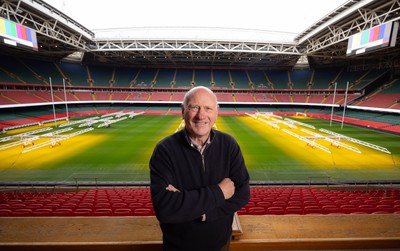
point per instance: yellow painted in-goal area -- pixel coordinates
(337, 157)
(47, 156)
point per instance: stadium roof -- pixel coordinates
(207, 34)
(253, 14)
(254, 20)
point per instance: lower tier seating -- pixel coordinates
(137, 202)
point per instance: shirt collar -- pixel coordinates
(210, 138)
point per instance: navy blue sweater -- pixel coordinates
(175, 161)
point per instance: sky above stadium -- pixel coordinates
(292, 16)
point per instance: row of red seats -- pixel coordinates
(95, 202)
(315, 209)
(46, 212)
(279, 201)
(137, 201)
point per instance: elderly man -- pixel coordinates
(198, 179)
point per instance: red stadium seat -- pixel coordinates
(347, 209)
(85, 205)
(5, 212)
(366, 208)
(380, 212)
(256, 210)
(122, 212)
(275, 210)
(330, 209)
(102, 205)
(21, 212)
(242, 211)
(135, 205)
(62, 212)
(119, 205)
(82, 212)
(4, 206)
(386, 208)
(294, 210)
(263, 204)
(52, 206)
(34, 206)
(42, 212)
(312, 210)
(102, 212)
(142, 212)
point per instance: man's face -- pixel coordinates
(200, 114)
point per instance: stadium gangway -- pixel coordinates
(332, 141)
(23, 135)
(300, 123)
(309, 142)
(379, 148)
(51, 142)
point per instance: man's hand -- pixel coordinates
(171, 188)
(228, 187)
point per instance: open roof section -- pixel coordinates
(194, 34)
(322, 43)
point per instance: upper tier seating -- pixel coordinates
(301, 78)
(183, 78)
(25, 81)
(164, 78)
(145, 77)
(324, 77)
(203, 77)
(221, 78)
(279, 79)
(123, 77)
(101, 75)
(75, 74)
(239, 78)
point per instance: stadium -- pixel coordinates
(316, 113)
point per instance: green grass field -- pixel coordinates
(122, 151)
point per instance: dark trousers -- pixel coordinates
(226, 246)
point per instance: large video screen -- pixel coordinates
(378, 37)
(17, 35)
